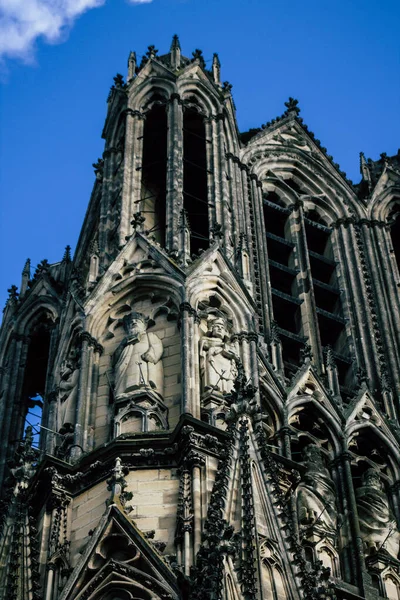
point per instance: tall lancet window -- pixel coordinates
(283, 272)
(331, 322)
(195, 202)
(154, 172)
(394, 222)
(34, 384)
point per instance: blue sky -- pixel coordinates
(58, 58)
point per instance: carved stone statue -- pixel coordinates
(218, 358)
(316, 499)
(68, 390)
(138, 363)
(377, 523)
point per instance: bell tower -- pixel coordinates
(202, 403)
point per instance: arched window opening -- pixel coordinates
(283, 277)
(195, 201)
(330, 316)
(154, 172)
(34, 384)
(395, 234)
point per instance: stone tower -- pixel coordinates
(209, 388)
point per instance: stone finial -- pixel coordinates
(306, 353)
(292, 108)
(131, 65)
(138, 221)
(117, 485)
(67, 254)
(119, 81)
(175, 52)
(198, 55)
(12, 296)
(151, 51)
(216, 69)
(330, 358)
(332, 372)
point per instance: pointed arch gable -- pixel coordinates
(314, 176)
(213, 277)
(104, 565)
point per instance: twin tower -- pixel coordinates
(203, 402)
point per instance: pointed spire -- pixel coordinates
(175, 53)
(27, 267)
(276, 348)
(364, 169)
(216, 69)
(175, 45)
(332, 372)
(131, 65)
(26, 275)
(67, 254)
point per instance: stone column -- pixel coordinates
(217, 200)
(51, 436)
(49, 581)
(363, 339)
(187, 530)
(174, 173)
(348, 563)
(91, 413)
(304, 280)
(357, 545)
(104, 206)
(224, 198)
(80, 411)
(133, 147)
(384, 267)
(197, 462)
(189, 391)
(211, 180)
(285, 435)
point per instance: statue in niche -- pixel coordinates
(377, 523)
(316, 499)
(218, 358)
(138, 364)
(68, 390)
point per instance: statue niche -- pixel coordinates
(377, 523)
(316, 499)
(138, 365)
(68, 390)
(218, 359)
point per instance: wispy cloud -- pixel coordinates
(22, 22)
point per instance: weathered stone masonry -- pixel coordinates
(203, 403)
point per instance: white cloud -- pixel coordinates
(139, 1)
(22, 22)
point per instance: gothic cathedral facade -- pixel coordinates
(203, 403)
